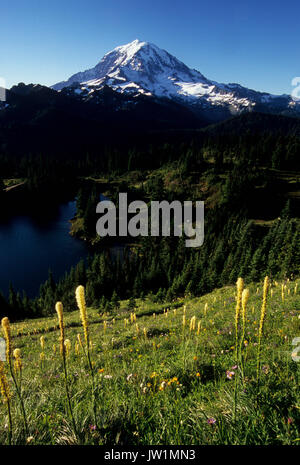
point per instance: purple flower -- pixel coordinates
(211, 421)
(230, 374)
(92, 427)
(234, 368)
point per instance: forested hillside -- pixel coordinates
(247, 172)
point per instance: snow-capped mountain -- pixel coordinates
(143, 68)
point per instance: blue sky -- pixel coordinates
(254, 43)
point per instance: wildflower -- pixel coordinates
(282, 292)
(108, 376)
(76, 348)
(162, 386)
(198, 375)
(153, 375)
(18, 361)
(100, 370)
(93, 427)
(198, 328)
(195, 358)
(211, 421)
(79, 340)
(192, 323)
(42, 340)
(265, 369)
(80, 298)
(290, 421)
(29, 439)
(59, 310)
(6, 330)
(230, 374)
(4, 387)
(261, 323)
(240, 286)
(68, 347)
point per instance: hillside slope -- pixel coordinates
(166, 373)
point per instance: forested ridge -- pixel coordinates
(247, 172)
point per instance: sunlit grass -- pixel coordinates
(158, 381)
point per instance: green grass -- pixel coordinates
(164, 388)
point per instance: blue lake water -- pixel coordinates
(31, 245)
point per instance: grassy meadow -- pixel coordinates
(209, 370)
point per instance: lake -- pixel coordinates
(30, 245)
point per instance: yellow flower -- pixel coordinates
(198, 374)
(100, 370)
(18, 361)
(80, 298)
(205, 308)
(79, 340)
(192, 323)
(198, 328)
(4, 387)
(264, 304)
(42, 340)
(17, 353)
(76, 348)
(68, 346)
(59, 310)
(6, 330)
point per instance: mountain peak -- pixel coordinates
(131, 48)
(138, 64)
(140, 67)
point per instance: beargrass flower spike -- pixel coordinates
(6, 395)
(59, 311)
(80, 298)
(240, 286)
(7, 335)
(261, 324)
